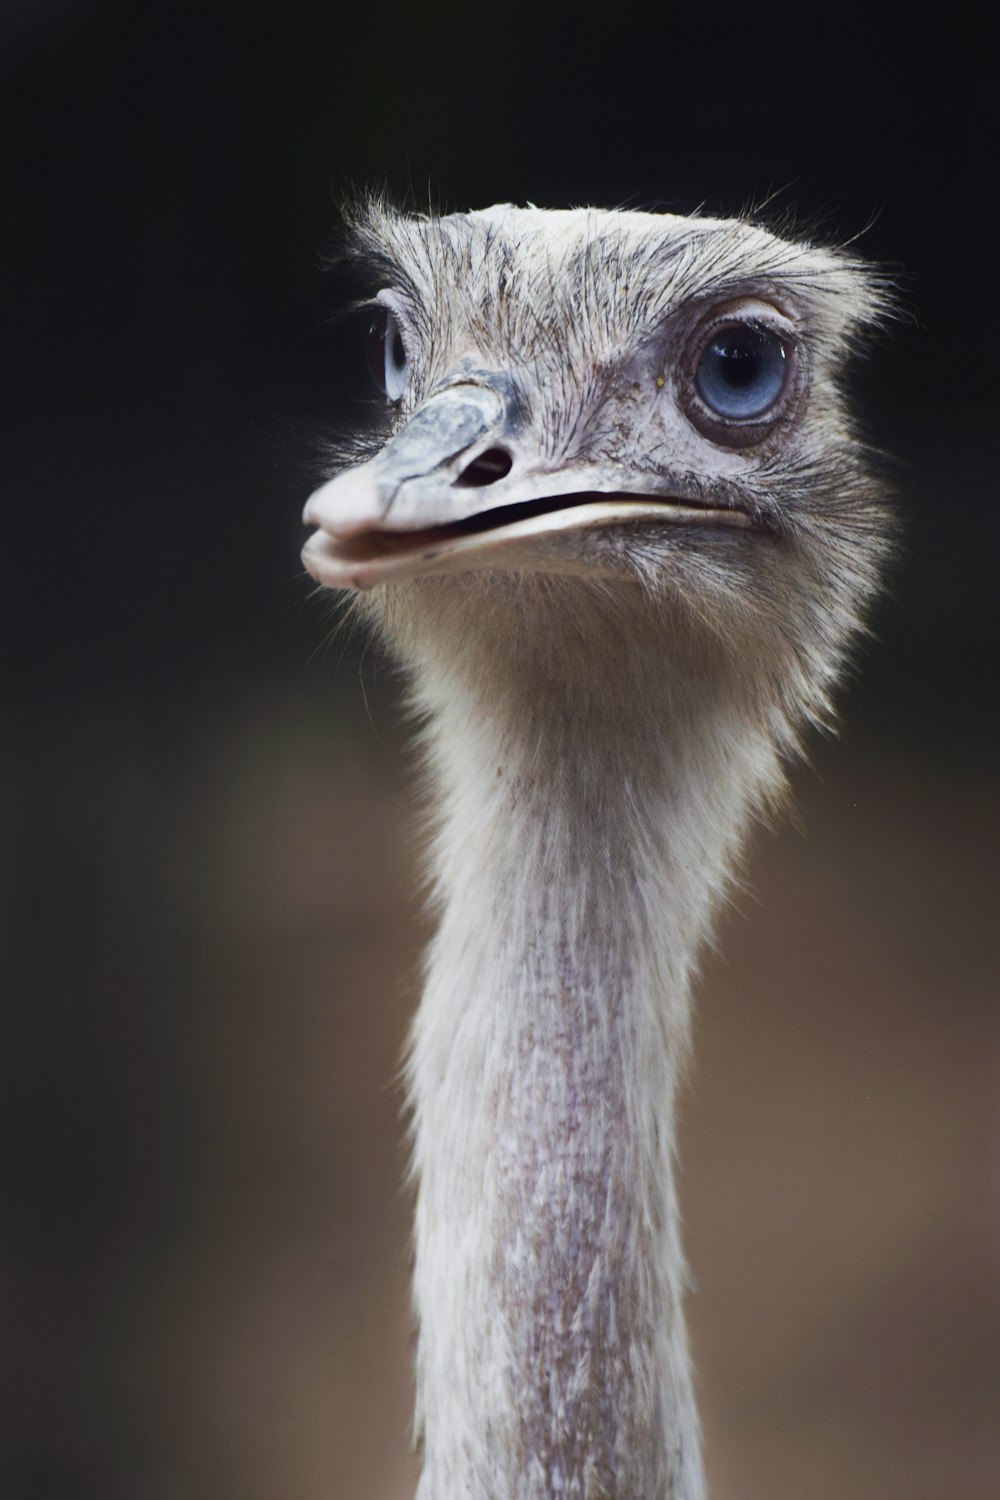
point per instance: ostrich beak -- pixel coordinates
(463, 486)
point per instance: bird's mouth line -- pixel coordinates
(582, 509)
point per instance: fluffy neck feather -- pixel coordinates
(586, 831)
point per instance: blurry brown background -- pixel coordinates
(211, 925)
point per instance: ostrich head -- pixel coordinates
(598, 420)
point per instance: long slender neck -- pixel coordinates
(578, 859)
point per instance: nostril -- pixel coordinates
(494, 464)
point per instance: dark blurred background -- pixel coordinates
(210, 931)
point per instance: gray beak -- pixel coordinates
(464, 486)
(430, 473)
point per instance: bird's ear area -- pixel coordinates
(844, 302)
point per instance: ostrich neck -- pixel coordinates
(577, 867)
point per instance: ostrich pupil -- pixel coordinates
(398, 352)
(742, 372)
(387, 360)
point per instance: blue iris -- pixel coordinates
(742, 371)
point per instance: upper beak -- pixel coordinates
(415, 482)
(462, 483)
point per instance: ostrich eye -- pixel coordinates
(742, 371)
(387, 355)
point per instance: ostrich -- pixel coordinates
(619, 533)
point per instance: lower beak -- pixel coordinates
(455, 490)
